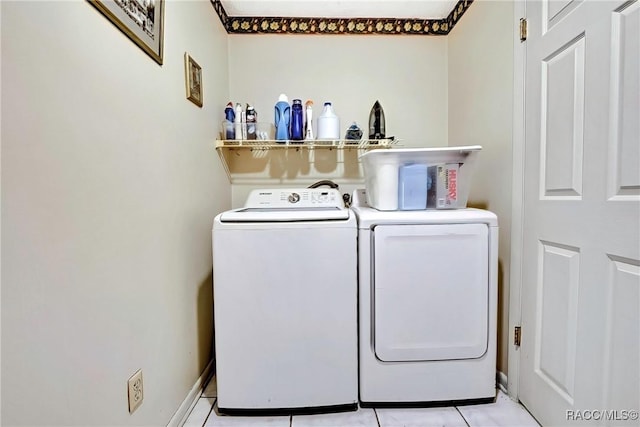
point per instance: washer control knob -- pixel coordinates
(294, 198)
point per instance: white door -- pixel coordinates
(581, 270)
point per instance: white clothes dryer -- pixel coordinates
(285, 303)
(427, 305)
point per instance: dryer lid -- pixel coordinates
(370, 217)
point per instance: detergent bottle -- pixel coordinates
(282, 118)
(328, 123)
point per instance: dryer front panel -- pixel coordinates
(431, 290)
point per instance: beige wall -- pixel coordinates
(110, 181)
(407, 74)
(480, 112)
(109, 186)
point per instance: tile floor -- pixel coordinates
(504, 412)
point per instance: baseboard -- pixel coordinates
(190, 401)
(501, 381)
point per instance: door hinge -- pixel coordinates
(517, 336)
(523, 29)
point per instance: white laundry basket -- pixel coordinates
(381, 169)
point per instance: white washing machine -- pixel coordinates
(285, 303)
(427, 307)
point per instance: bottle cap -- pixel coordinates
(283, 97)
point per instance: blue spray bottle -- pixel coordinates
(229, 116)
(297, 121)
(282, 118)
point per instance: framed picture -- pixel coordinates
(141, 20)
(193, 78)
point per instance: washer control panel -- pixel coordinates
(295, 198)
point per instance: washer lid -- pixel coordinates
(284, 214)
(290, 204)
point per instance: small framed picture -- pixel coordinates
(141, 21)
(193, 78)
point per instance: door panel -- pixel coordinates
(556, 317)
(554, 10)
(562, 120)
(624, 167)
(431, 291)
(621, 353)
(581, 239)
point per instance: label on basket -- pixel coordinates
(443, 189)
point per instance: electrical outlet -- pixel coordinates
(136, 393)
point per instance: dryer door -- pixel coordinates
(431, 291)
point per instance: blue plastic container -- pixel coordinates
(412, 187)
(282, 118)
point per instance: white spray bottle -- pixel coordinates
(238, 122)
(308, 135)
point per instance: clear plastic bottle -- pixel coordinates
(252, 118)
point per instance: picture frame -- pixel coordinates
(193, 80)
(142, 21)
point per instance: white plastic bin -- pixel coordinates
(381, 169)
